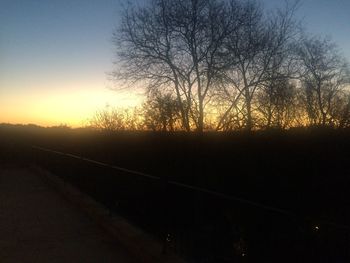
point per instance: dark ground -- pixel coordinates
(303, 174)
(37, 225)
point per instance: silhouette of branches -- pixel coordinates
(228, 65)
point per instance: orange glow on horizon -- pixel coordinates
(51, 107)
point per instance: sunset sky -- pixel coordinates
(54, 55)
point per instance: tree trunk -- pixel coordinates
(184, 116)
(320, 105)
(249, 124)
(201, 116)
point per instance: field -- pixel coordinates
(215, 197)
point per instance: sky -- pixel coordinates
(55, 55)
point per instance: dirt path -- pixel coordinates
(38, 225)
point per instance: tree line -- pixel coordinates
(228, 65)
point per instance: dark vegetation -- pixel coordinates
(298, 181)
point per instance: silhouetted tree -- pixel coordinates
(228, 63)
(324, 75)
(112, 119)
(340, 110)
(173, 45)
(258, 49)
(277, 104)
(162, 113)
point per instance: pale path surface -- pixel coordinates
(38, 225)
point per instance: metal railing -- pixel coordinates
(172, 225)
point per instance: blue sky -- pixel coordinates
(54, 55)
(325, 18)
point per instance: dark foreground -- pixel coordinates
(285, 199)
(38, 225)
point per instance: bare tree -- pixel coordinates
(172, 45)
(255, 52)
(277, 104)
(113, 119)
(228, 61)
(324, 75)
(340, 110)
(162, 113)
(344, 120)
